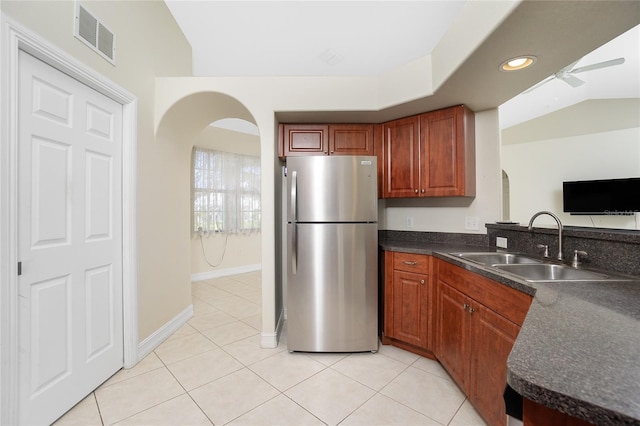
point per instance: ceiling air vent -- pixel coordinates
(94, 34)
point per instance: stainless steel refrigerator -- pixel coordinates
(332, 254)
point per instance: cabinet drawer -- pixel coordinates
(410, 262)
(506, 301)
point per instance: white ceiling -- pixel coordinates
(311, 38)
(324, 38)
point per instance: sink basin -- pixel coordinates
(551, 272)
(498, 258)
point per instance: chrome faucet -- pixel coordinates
(559, 257)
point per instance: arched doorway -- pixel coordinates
(187, 123)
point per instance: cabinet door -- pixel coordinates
(305, 139)
(351, 139)
(453, 333)
(400, 145)
(447, 153)
(492, 338)
(410, 308)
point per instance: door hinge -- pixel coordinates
(19, 268)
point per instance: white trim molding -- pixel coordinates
(15, 38)
(149, 344)
(201, 276)
(270, 340)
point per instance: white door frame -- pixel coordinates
(13, 39)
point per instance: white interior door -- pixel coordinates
(69, 238)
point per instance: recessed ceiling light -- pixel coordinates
(518, 63)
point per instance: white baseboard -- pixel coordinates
(200, 276)
(270, 340)
(149, 344)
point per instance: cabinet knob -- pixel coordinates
(422, 282)
(471, 310)
(423, 190)
(465, 306)
(416, 191)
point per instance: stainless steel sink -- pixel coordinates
(498, 258)
(536, 270)
(552, 272)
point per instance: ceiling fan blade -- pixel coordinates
(604, 64)
(569, 67)
(572, 81)
(531, 89)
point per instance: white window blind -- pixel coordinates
(225, 192)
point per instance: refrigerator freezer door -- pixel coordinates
(332, 189)
(332, 299)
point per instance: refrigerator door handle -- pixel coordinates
(294, 224)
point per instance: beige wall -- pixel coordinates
(149, 44)
(241, 250)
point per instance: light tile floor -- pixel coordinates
(213, 371)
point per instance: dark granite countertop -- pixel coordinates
(579, 348)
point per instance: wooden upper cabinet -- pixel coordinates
(304, 139)
(351, 139)
(430, 155)
(326, 139)
(400, 158)
(447, 153)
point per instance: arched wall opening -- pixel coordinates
(187, 123)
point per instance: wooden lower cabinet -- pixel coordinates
(466, 321)
(492, 338)
(478, 322)
(453, 334)
(408, 298)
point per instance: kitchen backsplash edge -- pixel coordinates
(435, 237)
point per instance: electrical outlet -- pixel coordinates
(409, 221)
(472, 223)
(501, 242)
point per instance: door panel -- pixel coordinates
(492, 339)
(51, 319)
(410, 313)
(99, 203)
(453, 334)
(401, 167)
(50, 173)
(332, 298)
(99, 309)
(333, 189)
(69, 241)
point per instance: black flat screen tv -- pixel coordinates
(610, 197)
